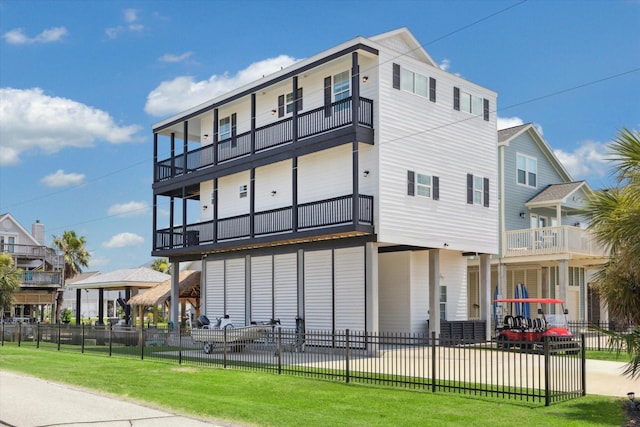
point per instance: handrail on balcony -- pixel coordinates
(318, 214)
(551, 240)
(310, 123)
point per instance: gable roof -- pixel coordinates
(140, 277)
(555, 193)
(505, 136)
(8, 217)
(402, 41)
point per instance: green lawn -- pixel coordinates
(270, 400)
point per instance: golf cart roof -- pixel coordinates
(531, 300)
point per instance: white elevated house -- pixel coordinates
(545, 243)
(346, 190)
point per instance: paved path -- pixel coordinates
(31, 402)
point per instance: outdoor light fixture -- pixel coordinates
(365, 79)
(365, 173)
(522, 214)
(273, 193)
(205, 207)
(273, 112)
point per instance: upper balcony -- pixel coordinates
(314, 220)
(302, 127)
(33, 252)
(41, 279)
(564, 239)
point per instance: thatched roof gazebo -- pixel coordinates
(189, 291)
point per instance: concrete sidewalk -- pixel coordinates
(31, 402)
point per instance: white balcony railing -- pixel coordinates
(552, 240)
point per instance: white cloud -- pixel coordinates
(61, 179)
(49, 35)
(589, 160)
(509, 122)
(131, 19)
(129, 209)
(32, 120)
(169, 57)
(445, 64)
(123, 240)
(184, 92)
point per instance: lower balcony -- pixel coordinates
(552, 240)
(322, 217)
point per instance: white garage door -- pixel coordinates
(349, 289)
(286, 289)
(235, 290)
(214, 296)
(318, 293)
(261, 288)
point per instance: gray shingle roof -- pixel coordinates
(508, 133)
(556, 192)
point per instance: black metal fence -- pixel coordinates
(545, 372)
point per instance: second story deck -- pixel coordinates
(573, 241)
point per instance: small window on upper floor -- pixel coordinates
(341, 86)
(477, 190)
(243, 191)
(422, 185)
(285, 103)
(410, 81)
(464, 101)
(527, 170)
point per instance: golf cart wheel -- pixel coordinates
(208, 348)
(503, 342)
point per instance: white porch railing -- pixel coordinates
(552, 240)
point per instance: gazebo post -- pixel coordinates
(100, 320)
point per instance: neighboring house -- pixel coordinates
(345, 190)
(544, 243)
(41, 270)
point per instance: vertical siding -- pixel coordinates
(453, 275)
(419, 291)
(318, 293)
(214, 304)
(394, 287)
(235, 290)
(349, 289)
(261, 288)
(286, 289)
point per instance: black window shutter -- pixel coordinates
(432, 89)
(436, 187)
(486, 192)
(411, 183)
(281, 106)
(327, 96)
(299, 98)
(396, 76)
(469, 188)
(456, 98)
(234, 122)
(485, 103)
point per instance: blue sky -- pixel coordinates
(82, 82)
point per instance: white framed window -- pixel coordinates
(527, 173)
(286, 102)
(414, 82)
(478, 190)
(341, 86)
(576, 276)
(470, 103)
(243, 191)
(443, 303)
(7, 244)
(224, 128)
(423, 185)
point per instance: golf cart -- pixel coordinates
(518, 329)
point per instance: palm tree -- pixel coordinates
(162, 265)
(614, 216)
(75, 257)
(10, 278)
